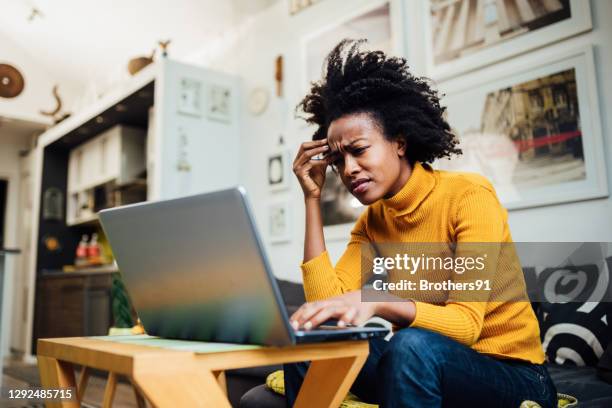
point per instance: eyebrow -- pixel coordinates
(350, 144)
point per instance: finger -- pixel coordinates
(309, 145)
(295, 317)
(325, 161)
(307, 155)
(348, 318)
(310, 310)
(323, 315)
(314, 143)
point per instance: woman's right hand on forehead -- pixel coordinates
(309, 166)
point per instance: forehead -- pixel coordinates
(350, 128)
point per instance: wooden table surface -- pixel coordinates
(180, 377)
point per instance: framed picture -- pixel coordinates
(466, 34)
(279, 170)
(279, 222)
(535, 133)
(218, 103)
(373, 23)
(338, 205)
(190, 97)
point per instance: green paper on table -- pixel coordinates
(182, 345)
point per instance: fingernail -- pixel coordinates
(294, 324)
(341, 323)
(326, 147)
(308, 325)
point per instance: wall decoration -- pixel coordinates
(53, 204)
(279, 222)
(535, 134)
(279, 170)
(138, 63)
(338, 205)
(51, 243)
(466, 34)
(372, 24)
(295, 6)
(190, 97)
(163, 46)
(278, 75)
(56, 114)
(258, 100)
(11, 81)
(219, 102)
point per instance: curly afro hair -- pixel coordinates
(404, 106)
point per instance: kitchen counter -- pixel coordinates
(92, 270)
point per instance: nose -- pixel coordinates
(350, 166)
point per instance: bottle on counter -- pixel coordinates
(93, 250)
(82, 252)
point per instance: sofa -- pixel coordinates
(584, 383)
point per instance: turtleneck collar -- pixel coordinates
(417, 188)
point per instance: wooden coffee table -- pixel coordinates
(175, 373)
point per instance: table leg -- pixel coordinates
(140, 401)
(328, 381)
(57, 374)
(83, 381)
(220, 376)
(109, 390)
(181, 389)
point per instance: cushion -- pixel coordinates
(573, 310)
(276, 382)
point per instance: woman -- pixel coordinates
(378, 126)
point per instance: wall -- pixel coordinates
(274, 32)
(251, 54)
(38, 86)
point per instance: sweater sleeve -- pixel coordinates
(322, 280)
(479, 218)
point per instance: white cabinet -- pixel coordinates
(117, 155)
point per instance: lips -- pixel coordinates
(359, 186)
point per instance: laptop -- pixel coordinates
(195, 269)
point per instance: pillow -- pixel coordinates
(575, 311)
(576, 333)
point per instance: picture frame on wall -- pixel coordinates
(378, 21)
(279, 222)
(463, 35)
(279, 170)
(338, 205)
(339, 208)
(532, 127)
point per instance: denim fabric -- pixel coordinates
(420, 368)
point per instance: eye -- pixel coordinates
(360, 150)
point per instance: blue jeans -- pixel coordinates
(420, 368)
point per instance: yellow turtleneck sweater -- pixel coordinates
(440, 207)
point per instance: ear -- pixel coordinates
(400, 143)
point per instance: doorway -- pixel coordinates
(3, 193)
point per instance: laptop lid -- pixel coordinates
(196, 269)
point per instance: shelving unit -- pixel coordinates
(100, 167)
(183, 112)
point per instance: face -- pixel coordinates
(370, 166)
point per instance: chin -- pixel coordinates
(368, 198)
